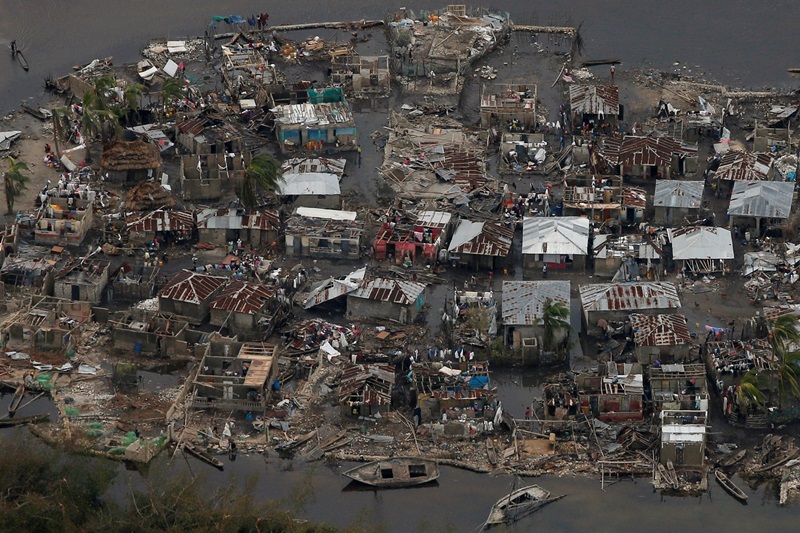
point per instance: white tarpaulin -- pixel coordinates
(171, 68)
(329, 350)
(449, 371)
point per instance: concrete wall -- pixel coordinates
(330, 201)
(646, 355)
(89, 292)
(692, 454)
(363, 308)
(673, 215)
(196, 313)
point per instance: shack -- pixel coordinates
(679, 386)
(235, 376)
(558, 242)
(130, 161)
(509, 107)
(204, 177)
(648, 156)
(481, 245)
(189, 294)
(739, 165)
(614, 302)
(624, 257)
(366, 390)
(662, 338)
(64, 221)
(701, 249)
(324, 232)
(324, 123)
(614, 393)
(82, 280)
(220, 225)
(594, 105)
(387, 298)
(677, 202)
(261, 227)
(418, 238)
(245, 307)
(30, 266)
(760, 202)
(523, 304)
(165, 225)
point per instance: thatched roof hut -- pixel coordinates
(147, 196)
(130, 160)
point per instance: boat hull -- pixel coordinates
(395, 473)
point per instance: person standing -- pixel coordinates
(613, 70)
(359, 156)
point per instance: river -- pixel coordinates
(745, 43)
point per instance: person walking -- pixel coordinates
(359, 156)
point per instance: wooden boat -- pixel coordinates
(395, 473)
(206, 457)
(729, 486)
(518, 504)
(491, 452)
(294, 443)
(19, 394)
(22, 61)
(40, 112)
(778, 462)
(22, 420)
(732, 459)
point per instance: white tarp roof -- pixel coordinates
(309, 183)
(683, 433)
(465, 232)
(701, 242)
(555, 235)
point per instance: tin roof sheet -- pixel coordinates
(671, 193)
(191, 287)
(243, 297)
(555, 235)
(523, 301)
(701, 242)
(389, 291)
(770, 199)
(594, 99)
(629, 296)
(660, 330)
(737, 165)
(481, 238)
(161, 220)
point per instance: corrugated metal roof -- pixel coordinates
(191, 287)
(634, 197)
(770, 199)
(265, 219)
(223, 218)
(309, 183)
(701, 242)
(523, 301)
(481, 238)
(594, 99)
(737, 165)
(162, 220)
(643, 150)
(555, 235)
(243, 297)
(329, 214)
(313, 115)
(671, 193)
(313, 165)
(660, 330)
(332, 288)
(433, 219)
(629, 296)
(390, 291)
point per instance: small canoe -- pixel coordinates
(294, 443)
(206, 457)
(491, 452)
(729, 486)
(518, 504)
(784, 458)
(19, 394)
(39, 112)
(395, 473)
(22, 61)
(732, 459)
(23, 420)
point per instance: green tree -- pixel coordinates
(263, 174)
(555, 318)
(132, 95)
(171, 90)
(14, 181)
(750, 391)
(784, 337)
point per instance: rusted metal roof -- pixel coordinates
(660, 330)
(162, 220)
(647, 150)
(191, 287)
(265, 219)
(671, 193)
(389, 291)
(523, 301)
(482, 238)
(193, 125)
(629, 296)
(737, 165)
(594, 99)
(243, 297)
(373, 383)
(769, 199)
(634, 197)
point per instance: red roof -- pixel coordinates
(649, 150)
(243, 297)
(162, 220)
(267, 219)
(192, 287)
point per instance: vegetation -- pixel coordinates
(785, 341)
(555, 318)
(14, 182)
(750, 391)
(261, 176)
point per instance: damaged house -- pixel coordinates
(679, 387)
(508, 107)
(324, 123)
(614, 302)
(662, 338)
(481, 245)
(30, 266)
(154, 333)
(130, 161)
(624, 257)
(613, 394)
(324, 232)
(82, 280)
(419, 238)
(235, 376)
(387, 298)
(202, 135)
(189, 294)
(739, 165)
(245, 307)
(365, 390)
(363, 76)
(522, 310)
(163, 224)
(247, 75)
(258, 227)
(64, 221)
(701, 249)
(648, 156)
(311, 182)
(453, 386)
(46, 324)
(204, 177)
(558, 242)
(677, 202)
(760, 202)
(594, 104)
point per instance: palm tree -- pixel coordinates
(555, 318)
(784, 337)
(132, 95)
(171, 90)
(750, 391)
(263, 174)
(14, 181)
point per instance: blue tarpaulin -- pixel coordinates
(478, 382)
